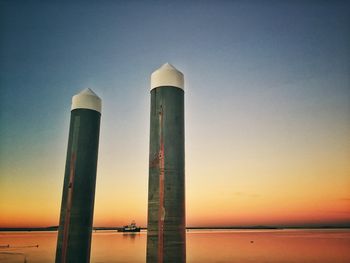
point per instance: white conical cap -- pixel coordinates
(167, 75)
(86, 99)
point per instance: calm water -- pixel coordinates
(202, 246)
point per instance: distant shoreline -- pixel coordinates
(55, 228)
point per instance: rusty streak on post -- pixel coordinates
(166, 240)
(161, 212)
(69, 206)
(78, 195)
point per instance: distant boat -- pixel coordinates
(130, 228)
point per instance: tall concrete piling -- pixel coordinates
(166, 235)
(77, 207)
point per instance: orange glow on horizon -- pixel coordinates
(211, 215)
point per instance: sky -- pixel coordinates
(267, 107)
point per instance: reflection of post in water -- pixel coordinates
(77, 207)
(166, 240)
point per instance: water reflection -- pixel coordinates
(27, 246)
(270, 246)
(292, 246)
(131, 236)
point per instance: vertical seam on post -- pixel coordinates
(161, 210)
(70, 188)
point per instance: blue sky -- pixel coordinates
(261, 77)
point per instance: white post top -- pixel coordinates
(86, 99)
(167, 75)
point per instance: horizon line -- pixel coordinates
(305, 226)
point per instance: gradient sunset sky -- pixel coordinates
(267, 107)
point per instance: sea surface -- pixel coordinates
(244, 246)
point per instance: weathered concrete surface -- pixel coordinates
(77, 207)
(166, 239)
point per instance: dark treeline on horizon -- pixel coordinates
(54, 228)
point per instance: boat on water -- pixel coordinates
(130, 228)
